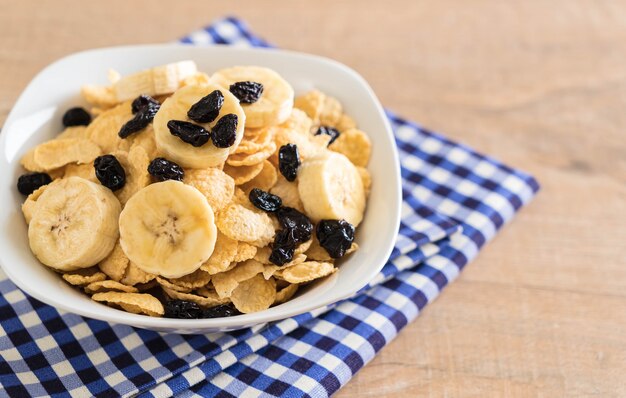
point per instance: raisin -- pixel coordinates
(110, 172)
(208, 108)
(182, 309)
(221, 311)
(247, 92)
(330, 131)
(29, 183)
(283, 248)
(225, 131)
(76, 117)
(265, 200)
(300, 225)
(336, 236)
(289, 161)
(163, 169)
(143, 116)
(189, 132)
(143, 101)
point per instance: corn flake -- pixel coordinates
(114, 266)
(245, 252)
(73, 132)
(288, 192)
(270, 269)
(345, 123)
(243, 174)
(224, 253)
(217, 186)
(165, 283)
(104, 129)
(285, 293)
(226, 282)
(263, 255)
(317, 252)
(331, 111)
(135, 275)
(296, 130)
(245, 159)
(84, 276)
(57, 153)
(107, 286)
(306, 272)
(85, 171)
(265, 180)
(312, 103)
(137, 303)
(135, 164)
(355, 145)
(203, 301)
(196, 279)
(142, 287)
(303, 247)
(254, 294)
(244, 224)
(146, 140)
(255, 140)
(100, 96)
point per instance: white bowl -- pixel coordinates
(36, 117)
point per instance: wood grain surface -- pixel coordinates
(540, 85)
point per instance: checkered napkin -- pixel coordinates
(455, 200)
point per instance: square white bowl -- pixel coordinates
(36, 117)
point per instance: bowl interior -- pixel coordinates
(36, 117)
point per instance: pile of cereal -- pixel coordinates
(196, 196)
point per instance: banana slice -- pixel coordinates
(164, 79)
(330, 187)
(74, 224)
(276, 102)
(176, 108)
(168, 229)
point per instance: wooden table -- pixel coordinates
(540, 85)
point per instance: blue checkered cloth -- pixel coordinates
(455, 200)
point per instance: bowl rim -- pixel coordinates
(239, 321)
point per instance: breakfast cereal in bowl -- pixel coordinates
(186, 194)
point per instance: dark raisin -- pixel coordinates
(336, 236)
(76, 117)
(143, 117)
(189, 132)
(208, 108)
(283, 247)
(182, 309)
(300, 225)
(110, 172)
(247, 92)
(221, 311)
(288, 161)
(163, 169)
(29, 183)
(265, 200)
(331, 131)
(224, 133)
(144, 101)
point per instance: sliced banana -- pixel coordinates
(164, 79)
(330, 187)
(168, 229)
(74, 224)
(276, 102)
(176, 108)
